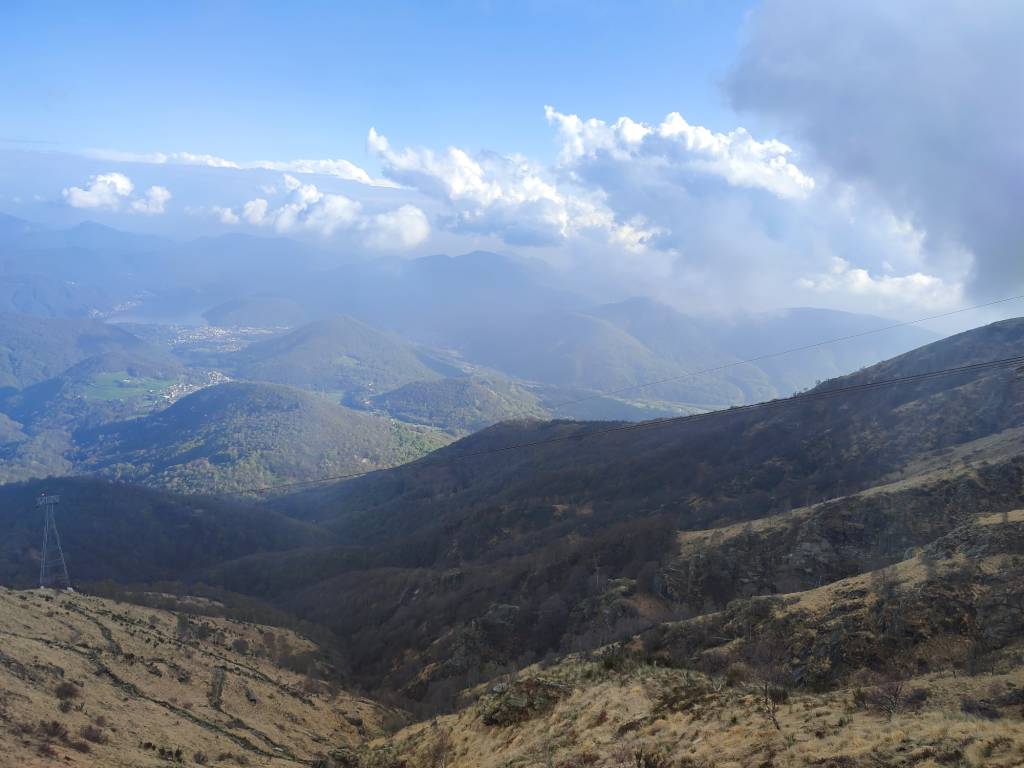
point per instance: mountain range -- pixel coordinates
(443, 345)
(532, 538)
(791, 578)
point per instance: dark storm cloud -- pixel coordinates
(921, 102)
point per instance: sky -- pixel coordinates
(717, 155)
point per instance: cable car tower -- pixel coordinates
(53, 570)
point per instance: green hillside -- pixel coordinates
(258, 312)
(461, 405)
(33, 349)
(612, 349)
(237, 436)
(337, 354)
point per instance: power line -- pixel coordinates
(769, 355)
(811, 396)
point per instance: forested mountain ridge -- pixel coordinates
(243, 436)
(337, 354)
(462, 405)
(35, 349)
(823, 446)
(138, 535)
(514, 538)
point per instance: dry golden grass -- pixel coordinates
(655, 717)
(144, 694)
(609, 721)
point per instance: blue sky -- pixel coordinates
(259, 80)
(717, 155)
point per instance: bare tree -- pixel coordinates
(442, 749)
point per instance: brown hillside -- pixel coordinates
(89, 682)
(918, 664)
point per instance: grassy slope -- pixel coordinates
(140, 687)
(692, 694)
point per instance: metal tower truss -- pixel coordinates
(53, 570)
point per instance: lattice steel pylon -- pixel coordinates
(53, 570)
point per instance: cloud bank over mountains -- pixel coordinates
(883, 172)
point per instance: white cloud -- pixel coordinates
(255, 211)
(342, 169)
(338, 167)
(504, 195)
(153, 201)
(308, 209)
(111, 190)
(400, 229)
(581, 198)
(915, 290)
(161, 158)
(104, 190)
(675, 144)
(226, 215)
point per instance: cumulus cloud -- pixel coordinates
(255, 211)
(524, 203)
(918, 103)
(917, 288)
(111, 190)
(402, 228)
(505, 195)
(737, 157)
(153, 201)
(226, 216)
(712, 219)
(104, 190)
(308, 209)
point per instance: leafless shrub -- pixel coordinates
(79, 746)
(52, 729)
(891, 698)
(980, 707)
(46, 750)
(645, 757)
(66, 691)
(442, 749)
(581, 760)
(737, 673)
(93, 734)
